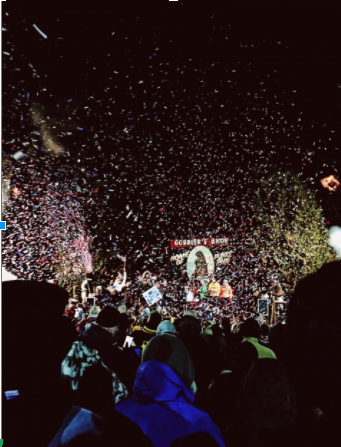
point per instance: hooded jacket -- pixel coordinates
(162, 406)
(83, 428)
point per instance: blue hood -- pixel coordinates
(157, 382)
(162, 406)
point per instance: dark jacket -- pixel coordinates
(124, 362)
(95, 337)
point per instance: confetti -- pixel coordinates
(152, 150)
(39, 31)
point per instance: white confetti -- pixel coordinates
(39, 31)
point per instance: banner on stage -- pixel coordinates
(152, 296)
(193, 242)
(199, 258)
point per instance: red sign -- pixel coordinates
(194, 242)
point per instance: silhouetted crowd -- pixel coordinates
(111, 380)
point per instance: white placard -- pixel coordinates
(152, 296)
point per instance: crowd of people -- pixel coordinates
(115, 379)
(143, 153)
(211, 296)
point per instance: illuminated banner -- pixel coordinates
(199, 258)
(207, 242)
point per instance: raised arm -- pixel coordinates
(124, 272)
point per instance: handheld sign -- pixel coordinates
(152, 296)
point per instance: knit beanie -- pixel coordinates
(109, 316)
(166, 327)
(191, 313)
(168, 349)
(154, 320)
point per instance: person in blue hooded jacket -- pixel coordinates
(162, 400)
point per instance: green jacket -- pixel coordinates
(203, 291)
(263, 352)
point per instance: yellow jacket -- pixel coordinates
(214, 289)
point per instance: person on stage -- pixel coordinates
(84, 290)
(226, 290)
(277, 297)
(121, 279)
(214, 288)
(203, 291)
(146, 282)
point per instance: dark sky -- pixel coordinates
(308, 55)
(85, 46)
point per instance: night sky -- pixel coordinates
(168, 111)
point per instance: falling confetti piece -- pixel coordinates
(39, 31)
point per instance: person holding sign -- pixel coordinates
(145, 282)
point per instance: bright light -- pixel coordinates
(7, 276)
(335, 239)
(331, 183)
(190, 296)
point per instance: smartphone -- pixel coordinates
(128, 341)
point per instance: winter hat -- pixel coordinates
(191, 313)
(251, 328)
(154, 320)
(166, 327)
(94, 311)
(190, 322)
(109, 316)
(168, 349)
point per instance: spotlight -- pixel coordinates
(335, 239)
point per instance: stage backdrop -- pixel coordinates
(199, 258)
